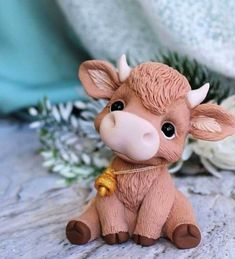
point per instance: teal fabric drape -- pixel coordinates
(37, 56)
(40, 50)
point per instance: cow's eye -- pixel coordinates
(168, 130)
(117, 106)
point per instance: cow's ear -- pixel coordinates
(99, 78)
(211, 122)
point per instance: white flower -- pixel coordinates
(220, 154)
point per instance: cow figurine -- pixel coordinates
(150, 111)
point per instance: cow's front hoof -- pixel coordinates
(77, 232)
(186, 236)
(116, 238)
(143, 241)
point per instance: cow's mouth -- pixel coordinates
(123, 156)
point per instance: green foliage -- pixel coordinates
(70, 145)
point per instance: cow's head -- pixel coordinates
(151, 110)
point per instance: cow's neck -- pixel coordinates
(122, 166)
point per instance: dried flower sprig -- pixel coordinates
(70, 145)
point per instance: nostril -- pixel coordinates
(112, 120)
(148, 137)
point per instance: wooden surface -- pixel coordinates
(34, 211)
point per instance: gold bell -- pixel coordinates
(106, 182)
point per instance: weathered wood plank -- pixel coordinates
(34, 212)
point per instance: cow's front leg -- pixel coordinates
(112, 217)
(154, 210)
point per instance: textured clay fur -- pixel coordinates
(145, 204)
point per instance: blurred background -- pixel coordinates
(43, 42)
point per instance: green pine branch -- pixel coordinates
(198, 75)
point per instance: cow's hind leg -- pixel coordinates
(85, 228)
(181, 227)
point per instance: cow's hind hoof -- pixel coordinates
(186, 236)
(77, 232)
(116, 238)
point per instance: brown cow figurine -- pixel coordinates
(150, 111)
